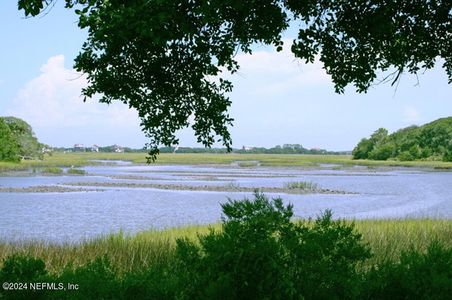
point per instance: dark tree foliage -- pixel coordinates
(9, 148)
(165, 58)
(22, 132)
(432, 140)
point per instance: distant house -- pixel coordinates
(95, 148)
(46, 149)
(247, 148)
(118, 149)
(292, 146)
(79, 148)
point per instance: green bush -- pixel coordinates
(95, 280)
(17, 268)
(405, 156)
(261, 254)
(416, 276)
(22, 270)
(382, 152)
(161, 281)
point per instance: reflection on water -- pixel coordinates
(73, 216)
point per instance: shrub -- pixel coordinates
(17, 268)
(405, 156)
(23, 270)
(415, 151)
(160, 281)
(261, 254)
(382, 152)
(416, 276)
(96, 280)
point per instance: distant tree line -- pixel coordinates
(285, 149)
(107, 149)
(18, 141)
(430, 141)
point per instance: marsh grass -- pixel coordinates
(76, 171)
(387, 239)
(283, 160)
(52, 170)
(248, 163)
(232, 185)
(302, 185)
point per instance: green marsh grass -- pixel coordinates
(282, 160)
(387, 239)
(76, 171)
(302, 185)
(52, 170)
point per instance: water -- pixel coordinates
(74, 216)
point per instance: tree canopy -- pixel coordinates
(167, 59)
(430, 141)
(17, 140)
(9, 149)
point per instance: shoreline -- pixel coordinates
(241, 161)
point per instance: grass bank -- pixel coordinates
(284, 160)
(386, 238)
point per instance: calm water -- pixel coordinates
(74, 216)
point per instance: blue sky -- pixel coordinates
(276, 99)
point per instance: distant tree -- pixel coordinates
(29, 145)
(405, 156)
(363, 149)
(435, 138)
(382, 152)
(448, 153)
(430, 141)
(379, 136)
(165, 58)
(415, 152)
(9, 149)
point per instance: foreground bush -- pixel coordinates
(415, 276)
(261, 254)
(258, 254)
(22, 270)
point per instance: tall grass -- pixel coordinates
(302, 185)
(387, 239)
(53, 170)
(76, 171)
(81, 159)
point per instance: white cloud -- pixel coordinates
(281, 70)
(411, 115)
(52, 101)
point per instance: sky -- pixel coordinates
(276, 100)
